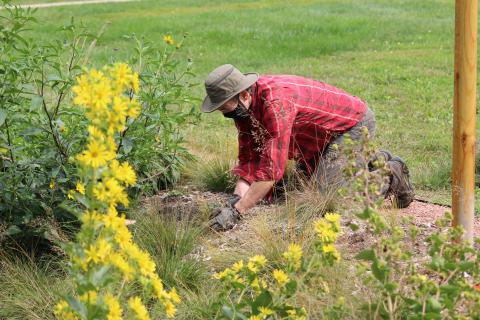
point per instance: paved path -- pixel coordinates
(69, 3)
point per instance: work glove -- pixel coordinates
(225, 218)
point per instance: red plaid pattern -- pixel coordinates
(291, 117)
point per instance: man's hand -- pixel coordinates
(225, 219)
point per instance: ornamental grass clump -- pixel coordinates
(260, 289)
(104, 259)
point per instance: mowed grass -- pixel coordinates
(396, 55)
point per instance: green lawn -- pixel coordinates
(396, 55)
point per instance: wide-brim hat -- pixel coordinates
(224, 83)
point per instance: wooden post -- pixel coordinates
(464, 115)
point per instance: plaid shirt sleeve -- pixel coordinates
(269, 162)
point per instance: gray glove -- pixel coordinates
(225, 219)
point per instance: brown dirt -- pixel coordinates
(425, 214)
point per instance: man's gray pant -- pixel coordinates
(329, 173)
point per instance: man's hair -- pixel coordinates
(249, 90)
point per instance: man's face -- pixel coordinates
(229, 106)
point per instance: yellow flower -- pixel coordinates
(256, 262)
(62, 311)
(118, 261)
(238, 266)
(330, 250)
(334, 218)
(90, 217)
(170, 309)
(281, 277)
(135, 83)
(121, 73)
(325, 232)
(136, 305)
(98, 251)
(71, 194)
(294, 255)
(80, 187)
(254, 317)
(174, 296)
(114, 309)
(89, 297)
(52, 184)
(96, 155)
(265, 312)
(168, 39)
(123, 172)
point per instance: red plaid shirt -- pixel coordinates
(291, 118)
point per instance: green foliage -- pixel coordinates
(260, 289)
(442, 286)
(171, 243)
(215, 175)
(29, 289)
(37, 132)
(40, 130)
(153, 142)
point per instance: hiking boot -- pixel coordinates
(399, 183)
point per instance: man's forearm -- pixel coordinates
(255, 193)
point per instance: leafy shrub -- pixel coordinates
(153, 142)
(445, 285)
(40, 130)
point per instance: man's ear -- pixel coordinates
(246, 98)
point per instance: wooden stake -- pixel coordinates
(464, 116)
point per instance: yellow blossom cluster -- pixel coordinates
(293, 256)
(327, 230)
(104, 252)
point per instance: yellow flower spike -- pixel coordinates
(136, 305)
(106, 97)
(281, 277)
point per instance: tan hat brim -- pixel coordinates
(250, 79)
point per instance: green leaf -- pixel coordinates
(54, 77)
(262, 300)
(380, 272)
(36, 103)
(99, 277)
(127, 145)
(77, 306)
(3, 116)
(232, 314)
(368, 255)
(13, 229)
(291, 288)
